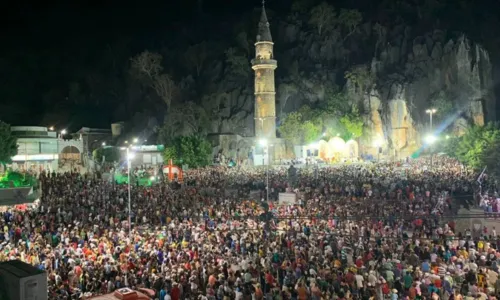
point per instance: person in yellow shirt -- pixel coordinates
(337, 264)
(481, 280)
(480, 246)
(261, 252)
(464, 253)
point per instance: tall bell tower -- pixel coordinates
(265, 94)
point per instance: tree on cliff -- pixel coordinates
(322, 17)
(353, 124)
(147, 67)
(299, 130)
(491, 158)
(110, 154)
(443, 106)
(196, 57)
(191, 150)
(478, 147)
(8, 144)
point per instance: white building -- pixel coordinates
(41, 149)
(147, 155)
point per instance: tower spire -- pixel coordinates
(264, 33)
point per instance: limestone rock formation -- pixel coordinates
(414, 75)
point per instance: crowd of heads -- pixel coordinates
(363, 231)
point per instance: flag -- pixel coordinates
(480, 178)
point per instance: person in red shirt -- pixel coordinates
(269, 278)
(175, 294)
(359, 262)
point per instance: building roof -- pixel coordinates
(94, 130)
(264, 32)
(19, 269)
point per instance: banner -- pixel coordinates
(13, 196)
(288, 199)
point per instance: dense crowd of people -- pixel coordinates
(362, 231)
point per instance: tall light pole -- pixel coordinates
(431, 111)
(265, 151)
(130, 156)
(378, 144)
(431, 139)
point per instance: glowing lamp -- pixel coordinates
(314, 146)
(430, 139)
(377, 143)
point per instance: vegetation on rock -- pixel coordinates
(193, 151)
(8, 144)
(477, 148)
(110, 154)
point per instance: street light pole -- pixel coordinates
(431, 111)
(267, 175)
(263, 144)
(129, 197)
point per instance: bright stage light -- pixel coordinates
(430, 139)
(314, 145)
(263, 142)
(377, 143)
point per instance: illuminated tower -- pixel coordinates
(265, 94)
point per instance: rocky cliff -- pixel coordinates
(392, 71)
(399, 76)
(412, 75)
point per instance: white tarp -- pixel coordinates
(288, 199)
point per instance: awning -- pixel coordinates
(15, 196)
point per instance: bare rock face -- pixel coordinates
(455, 77)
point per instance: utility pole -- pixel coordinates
(431, 111)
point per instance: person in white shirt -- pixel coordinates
(359, 281)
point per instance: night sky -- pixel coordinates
(45, 47)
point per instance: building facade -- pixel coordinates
(40, 149)
(146, 155)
